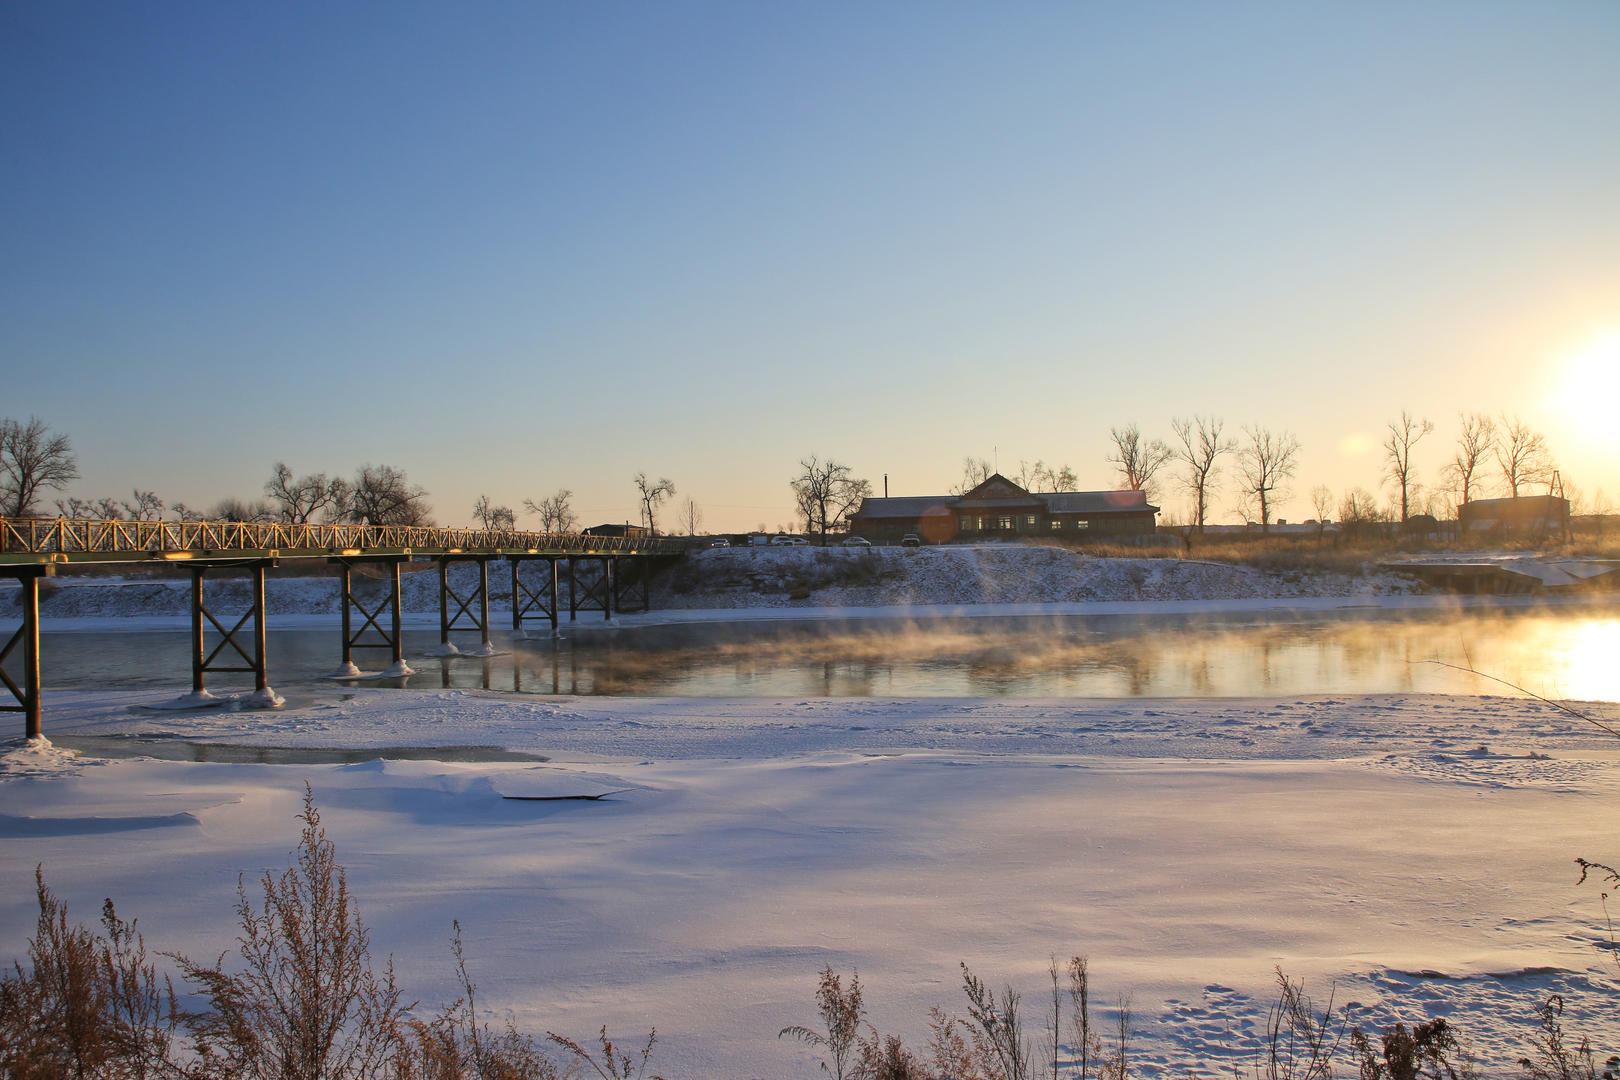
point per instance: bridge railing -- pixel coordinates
(91, 537)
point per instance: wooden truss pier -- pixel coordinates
(605, 573)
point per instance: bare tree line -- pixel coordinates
(34, 460)
(1267, 462)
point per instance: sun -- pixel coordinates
(1588, 391)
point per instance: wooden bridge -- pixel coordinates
(31, 548)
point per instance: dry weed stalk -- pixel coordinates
(304, 1003)
(453, 1045)
(1300, 1043)
(1424, 1053)
(614, 1063)
(842, 1014)
(1555, 1059)
(89, 1005)
(307, 1004)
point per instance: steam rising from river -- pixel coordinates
(1558, 655)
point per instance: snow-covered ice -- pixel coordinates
(1413, 852)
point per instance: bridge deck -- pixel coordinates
(33, 541)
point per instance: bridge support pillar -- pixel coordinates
(392, 639)
(634, 586)
(24, 687)
(590, 592)
(526, 599)
(245, 660)
(464, 606)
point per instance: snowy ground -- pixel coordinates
(1411, 853)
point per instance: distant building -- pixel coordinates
(1534, 515)
(1000, 508)
(634, 532)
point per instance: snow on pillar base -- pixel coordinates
(197, 699)
(346, 670)
(398, 671)
(262, 699)
(484, 649)
(446, 649)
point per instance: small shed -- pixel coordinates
(1528, 515)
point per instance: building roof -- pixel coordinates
(910, 506)
(1097, 502)
(999, 493)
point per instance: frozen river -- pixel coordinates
(1563, 653)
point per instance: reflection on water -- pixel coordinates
(1558, 654)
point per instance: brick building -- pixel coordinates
(1000, 508)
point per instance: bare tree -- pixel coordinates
(1200, 451)
(75, 508)
(652, 494)
(1043, 477)
(692, 515)
(827, 494)
(107, 508)
(1138, 460)
(500, 518)
(1404, 434)
(1474, 444)
(144, 505)
(1267, 461)
(1523, 455)
(231, 508)
(300, 500)
(1358, 507)
(556, 515)
(31, 459)
(975, 471)
(1321, 502)
(382, 495)
(184, 512)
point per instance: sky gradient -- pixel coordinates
(510, 248)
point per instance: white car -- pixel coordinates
(787, 541)
(857, 541)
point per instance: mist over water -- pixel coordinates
(1556, 653)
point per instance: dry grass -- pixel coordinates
(300, 1000)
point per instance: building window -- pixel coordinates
(1057, 524)
(968, 525)
(1082, 524)
(1004, 523)
(1029, 522)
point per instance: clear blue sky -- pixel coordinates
(512, 247)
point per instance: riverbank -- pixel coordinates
(1186, 846)
(775, 578)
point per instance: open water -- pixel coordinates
(1569, 653)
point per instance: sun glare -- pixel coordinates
(1589, 388)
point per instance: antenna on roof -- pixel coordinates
(885, 485)
(1557, 485)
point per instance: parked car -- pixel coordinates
(722, 542)
(785, 541)
(911, 540)
(857, 541)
